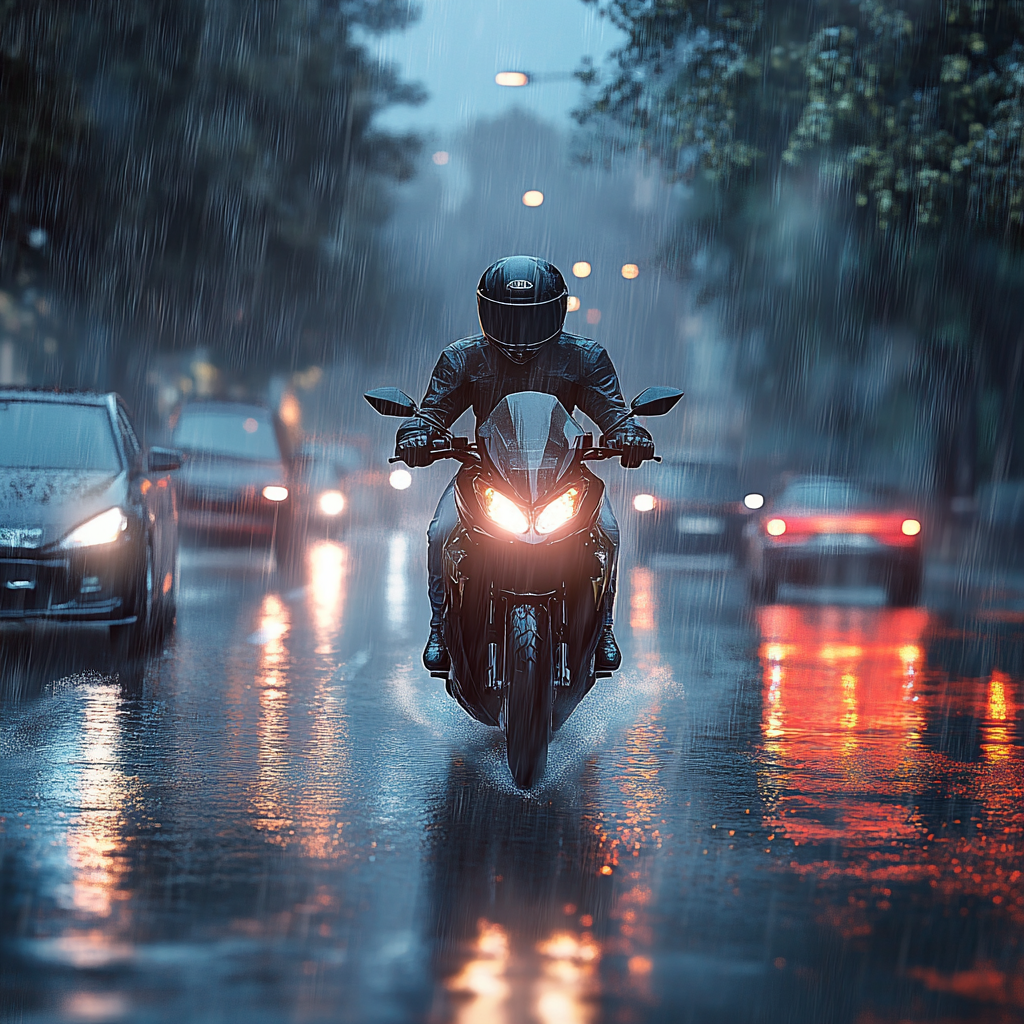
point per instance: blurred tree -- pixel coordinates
(206, 171)
(856, 177)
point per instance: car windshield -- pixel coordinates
(236, 433)
(696, 481)
(53, 435)
(825, 495)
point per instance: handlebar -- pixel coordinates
(595, 454)
(466, 453)
(460, 449)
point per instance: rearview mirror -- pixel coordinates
(391, 402)
(655, 401)
(164, 460)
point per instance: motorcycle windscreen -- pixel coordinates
(531, 441)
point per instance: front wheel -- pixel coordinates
(141, 635)
(528, 701)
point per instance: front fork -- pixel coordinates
(498, 618)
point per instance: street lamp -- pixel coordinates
(517, 79)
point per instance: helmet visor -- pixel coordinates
(520, 329)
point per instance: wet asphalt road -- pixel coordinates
(809, 812)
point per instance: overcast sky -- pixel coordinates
(457, 47)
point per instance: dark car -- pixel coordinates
(237, 481)
(825, 530)
(88, 529)
(328, 475)
(689, 507)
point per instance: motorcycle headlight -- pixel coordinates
(102, 529)
(558, 512)
(501, 510)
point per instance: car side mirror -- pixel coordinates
(164, 460)
(655, 401)
(391, 402)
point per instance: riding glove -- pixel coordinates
(415, 445)
(635, 443)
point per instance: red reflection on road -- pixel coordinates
(857, 758)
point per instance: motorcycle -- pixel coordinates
(527, 568)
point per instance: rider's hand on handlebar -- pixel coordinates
(635, 444)
(414, 447)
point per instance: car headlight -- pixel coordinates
(332, 503)
(274, 492)
(102, 529)
(644, 502)
(501, 510)
(558, 512)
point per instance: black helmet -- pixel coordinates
(522, 302)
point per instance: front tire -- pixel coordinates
(139, 636)
(528, 700)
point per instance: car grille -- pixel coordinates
(31, 585)
(219, 499)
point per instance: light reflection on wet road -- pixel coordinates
(803, 812)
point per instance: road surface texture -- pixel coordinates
(809, 812)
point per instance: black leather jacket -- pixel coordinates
(472, 373)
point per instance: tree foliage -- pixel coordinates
(207, 171)
(920, 105)
(856, 197)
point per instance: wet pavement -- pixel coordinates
(806, 812)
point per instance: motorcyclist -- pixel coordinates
(521, 302)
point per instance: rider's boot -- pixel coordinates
(608, 656)
(435, 654)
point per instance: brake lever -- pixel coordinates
(463, 455)
(593, 454)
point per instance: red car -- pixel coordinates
(826, 531)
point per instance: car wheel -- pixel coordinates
(139, 636)
(904, 586)
(169, 602)
(289, 543)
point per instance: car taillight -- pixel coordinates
(775, 527)
(910, 527)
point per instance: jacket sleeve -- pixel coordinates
(447, 394)
(600, 396)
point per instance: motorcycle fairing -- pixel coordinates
(484, 574)
(531, 441)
